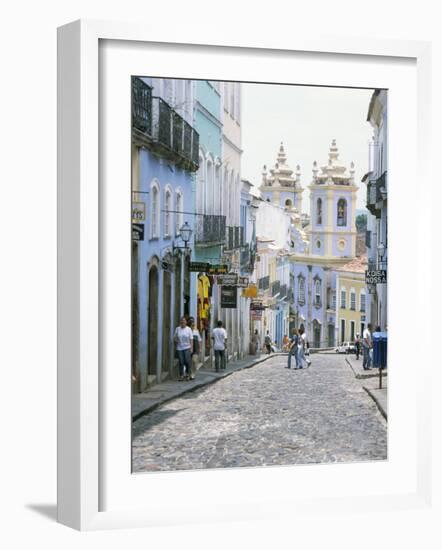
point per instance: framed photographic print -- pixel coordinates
(230, 276)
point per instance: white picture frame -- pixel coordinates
(81, 397)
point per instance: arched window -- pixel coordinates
(167, 213)
(209, 200)
(343, 298)
(301, 290)
(353, 299)
(362, 299)
(200, 186)
(317, 292)
(288, 203)
(319, 212)
(155, 211)
(179, 216)
(342, 213)
(217, 196)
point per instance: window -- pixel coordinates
(200, 186)
(318, 293)
(319, 212)
(343, 298)
(167, 213)
(353, 300)
(342, 331)
(179, 212)
(301, 290)
(334, 300)
(209, 193)
(155, 212)
(342, 213)
(363, 302)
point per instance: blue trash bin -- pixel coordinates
(380, 350)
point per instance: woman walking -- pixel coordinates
(303, 362)
(183, 339)
(196, 349)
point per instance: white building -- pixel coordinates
(377, 191)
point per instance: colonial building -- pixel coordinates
(165, 149)
(332, 244)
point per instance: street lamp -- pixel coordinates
(185, 233)
(381, 252)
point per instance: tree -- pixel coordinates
(361, 222)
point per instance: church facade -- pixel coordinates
(322, 250)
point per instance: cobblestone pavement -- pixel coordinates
(265, 415)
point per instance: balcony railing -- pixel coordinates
(210, 230)
(158, 127)
(374, 194)
(235, 237)
(141, 106)
(264, 283)
(276, 287)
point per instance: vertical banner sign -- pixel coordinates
(138, 231)
(228, 296)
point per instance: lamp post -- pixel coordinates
(381, 253)
(185, 233)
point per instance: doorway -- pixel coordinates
(152, 322)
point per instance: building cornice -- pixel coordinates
(208, 114)
(232, 145)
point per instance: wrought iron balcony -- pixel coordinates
(141, 106)
(210, 230)
(375, 191)
(235, 237)
(276, 287)
(159, 128)
(264, 283)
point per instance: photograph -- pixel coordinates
(259, 301)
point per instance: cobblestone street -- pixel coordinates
(265, 415)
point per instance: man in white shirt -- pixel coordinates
(183, 339)
(366, 346)
(219, 337)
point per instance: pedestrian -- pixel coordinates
(256, 341)
(219, 337)
(357, 346)
(183, 339)
(293, 349)
(268, 343)
(196, 348)
(367, 344)
(303, 347)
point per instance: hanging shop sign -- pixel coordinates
(243, 282)
(256, 315)
(231, 279)
(250, 292)
(228, 296)
(375, 276)
(198, 266)
(138, 231)
(219, 269)
(257, 306)
(138, 212)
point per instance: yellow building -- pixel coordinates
(351, 300)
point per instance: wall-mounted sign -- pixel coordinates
(138, 212)
(198, 266)
(138, 231)
(217, 269)
(231, 279)
(243, 282)
(251, 291)
(257, 306)
(256, 315)
(228, 296)
(375, 276)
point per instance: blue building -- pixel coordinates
(210, 220)
(165, 149)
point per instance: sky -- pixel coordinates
(305, 119)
